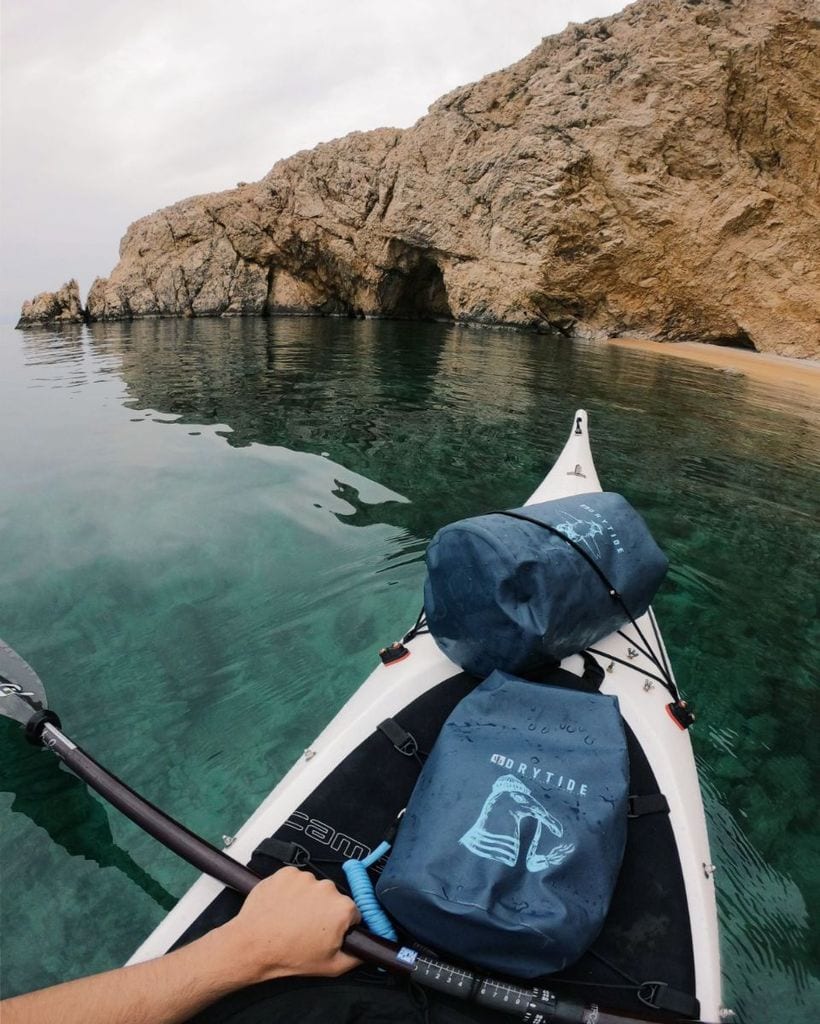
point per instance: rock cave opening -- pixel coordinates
(740, 340)
(417, 293)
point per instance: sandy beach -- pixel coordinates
(759, 365)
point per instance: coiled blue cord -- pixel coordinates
(364, 896)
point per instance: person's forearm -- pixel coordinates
(289, 924)
(163, 991)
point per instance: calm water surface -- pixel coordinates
(208, 529)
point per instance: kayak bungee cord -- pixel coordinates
(419, 628)
(23, 698)
(628, 664)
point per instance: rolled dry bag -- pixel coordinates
(504, 592)
(509, 849)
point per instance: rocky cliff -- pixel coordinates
(654, 173)
(61, 307)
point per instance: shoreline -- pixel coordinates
(784, 371)
(764, 366)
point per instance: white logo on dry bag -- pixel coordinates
(582, 531)
(496, 834)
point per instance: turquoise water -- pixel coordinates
(208, 529)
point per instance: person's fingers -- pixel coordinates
(350, 911)
(312, 918)
(349, 914)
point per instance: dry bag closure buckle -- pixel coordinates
(681, 714)
(395, 652)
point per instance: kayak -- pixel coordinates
(657, 956)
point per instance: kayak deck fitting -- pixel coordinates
(657, 955)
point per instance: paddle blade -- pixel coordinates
(22, 694)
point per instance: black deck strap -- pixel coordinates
(401, 739)
(588, 682)
(647, 803)
(284, 853)
(593, 674)
(660, 996)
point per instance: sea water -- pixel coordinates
(209, 528)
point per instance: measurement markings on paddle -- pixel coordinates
(530, 1006)
(444, 973)
(505, 992)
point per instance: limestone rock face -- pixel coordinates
(60, 307)
(655, 173)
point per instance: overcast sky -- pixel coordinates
(114, 108)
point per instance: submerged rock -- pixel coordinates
(653, 174)
(60, 307)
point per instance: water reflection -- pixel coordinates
(423, 408)
(58, 802)
(54, 345)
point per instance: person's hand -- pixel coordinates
(292, 924)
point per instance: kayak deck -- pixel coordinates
(647, 940)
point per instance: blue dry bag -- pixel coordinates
(512, 841)
(505, 592)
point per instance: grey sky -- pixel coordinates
(114, 108)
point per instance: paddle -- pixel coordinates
(23, 698)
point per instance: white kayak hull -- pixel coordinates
(389, 689)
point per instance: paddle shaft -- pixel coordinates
(533, 1006)
(151, 819)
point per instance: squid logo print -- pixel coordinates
(496, 834)
(582, 531)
